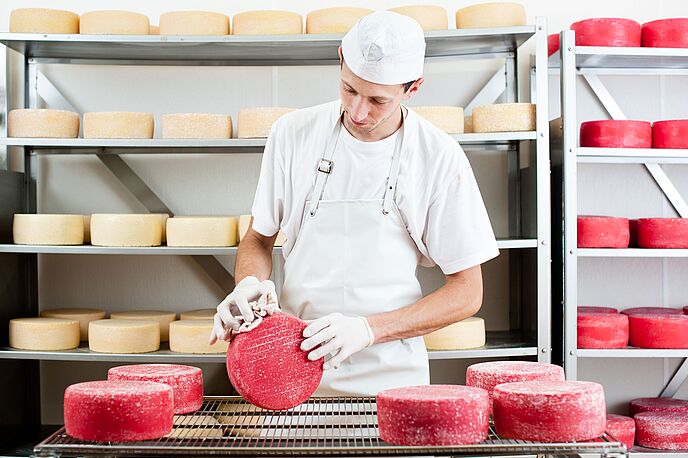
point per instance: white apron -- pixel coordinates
(356, 257)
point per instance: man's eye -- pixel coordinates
(380, 102)
(349, 90)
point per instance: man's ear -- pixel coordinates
(414, 88)
(341, 56)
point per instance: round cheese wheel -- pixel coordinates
(504, 117)
(42, 123)
(433, 415)
(194, 23)
(603, 232)
(621, 428)
(658, 331)
(663, 232)
(670, 134)
(602, 330)
(110, 229)
(163, 319)
(448, 119)
(45, 229)
(118, 124)
(611, 133)
(468, 124)
(607, 32)
(491, 15)
(43, 20)
(198, 314)
(196, 125)
(592, 309)
(552, 44)
(191, 336)
(666, 33)
(468, 333)
(430, 17)
(334, 20)
(257, 122)
(267, 366)
(653, 310)
(267, 22)
(43, 334)
(202, 231)
(118, 410)
(114, 23)
(658, 405)
(123, 336)
(560, 411)
(662, 430)
(186, 382)
(82, 315)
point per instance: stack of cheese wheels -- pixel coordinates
(114, 23)
(448, 119)
(163, 318)
(670, 134)
(603, 232)
(663, 232)
(124, 336)
(193, 23)
(202, 231)
(621, 428)
(658, 405)
(108, 229)
(83, 315)
(196, 125)
(504, 117)
(191, 336)
(433, 415)
(118, 410)
(186, 382)
(42, 123)
(198, 314)
(651, 330)
(245, 222)
(118, 124)
(595, 309)
(43, 20)
(662, 430)
(46, 229)
(43, 334)
(488, 15)
(612, 133)
(559, 411)
(257, 122)
(665, 33)
(468, 333)
(602, 330)
(428, 16)
(652, 310)
(334, 20)
(267, 22)
(607, 32)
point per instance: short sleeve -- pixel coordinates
(268, 202)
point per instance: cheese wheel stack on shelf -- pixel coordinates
(124, 336)
(671, 133)
(658, 405)
(611, 133)
(603, 232)
(47, 229)
(662, 430)
(202, 231)
(504, 117)
(607, 32)
(663, 233)
(334, 20)
(118, 124)
(42, 123)
(602, 330)
(267, 22)
(665, 33)
(490, 15)
(429, 17)
(82, 315)
(652, 330)
(193, 23)
(447, 118)
(191, 336)
(196, 125)
(163, 318)
(43, 334)
(462, 335)
(126, 230)
(43, 20)
(257, 122)
(114, 23)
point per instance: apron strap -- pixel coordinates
(325, 166)
(390, 189)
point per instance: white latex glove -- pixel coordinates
(236, 309)
(338, 335)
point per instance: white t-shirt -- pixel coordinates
(437, 194)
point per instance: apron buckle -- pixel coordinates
(325, 166)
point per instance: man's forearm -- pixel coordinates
(254, 256)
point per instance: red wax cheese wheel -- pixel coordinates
(662, 430)
(549, 411)
(607, 32)
(593, 309)
(186, 381)
(118, 410)
(658, 330)
(602, 232)
(602, 330)
(621, 428)
(433, 415)
(658, 405)
(666, 33)
(267, 366)
(611, 133)
(552, 44)
(670, 134)
(663, 232)
(652, 310)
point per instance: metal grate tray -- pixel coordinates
(322, 426)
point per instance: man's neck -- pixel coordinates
(382, 130)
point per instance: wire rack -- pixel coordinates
(343, 426)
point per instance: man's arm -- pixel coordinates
(254, 257)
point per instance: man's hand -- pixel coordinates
(339, 335)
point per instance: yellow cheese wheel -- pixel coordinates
(202, 231)
(449, 119)
(110, 229)
(429, 17)
(491, 15)
(42, 123)
(194, 23)
(257, 122)
(83, 315)
(43, 20)
(198, 314)
(154, 30)
(114, 23)
(468, 124)
(163, 318)
(47, 229)
(44, 334)
(118, 124)
(267, 22)
(334, 20)
(191, 336)
(196, 125)
(124, 336)
(468, 333)
(504, 117)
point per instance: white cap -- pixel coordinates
(385, 48)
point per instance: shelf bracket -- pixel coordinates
(51, 95)
(676, 381)
(490, 92)
(604, 97)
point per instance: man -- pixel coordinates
(365, 190)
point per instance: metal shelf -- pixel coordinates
(632, 155)
(631, 253)
(600, 57)
(633, 353)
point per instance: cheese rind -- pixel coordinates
(43, 20)
(603, 232)
(202, 231)
(196, 125)
(622, 428)
(42, 123)
(194, 23)
(47, 229)
(163, 318)
(334, 20)
(191, 336)
(662, 430)
(670, 134)
(82, 315)
(257, 122)
(447, 118)
(488, 15)
(198, 314)
(639, 405)
(43, 334)
(468, 333)
(110, 229)
(602, 330)
(652, 310)
(614, 133)
(267, 22)
(607, 32)
(658, 331)
(118, 124)
(114, 22)
(665, 233)
(123, 336)
(504, 117)
(665, 33)
(430, 17)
